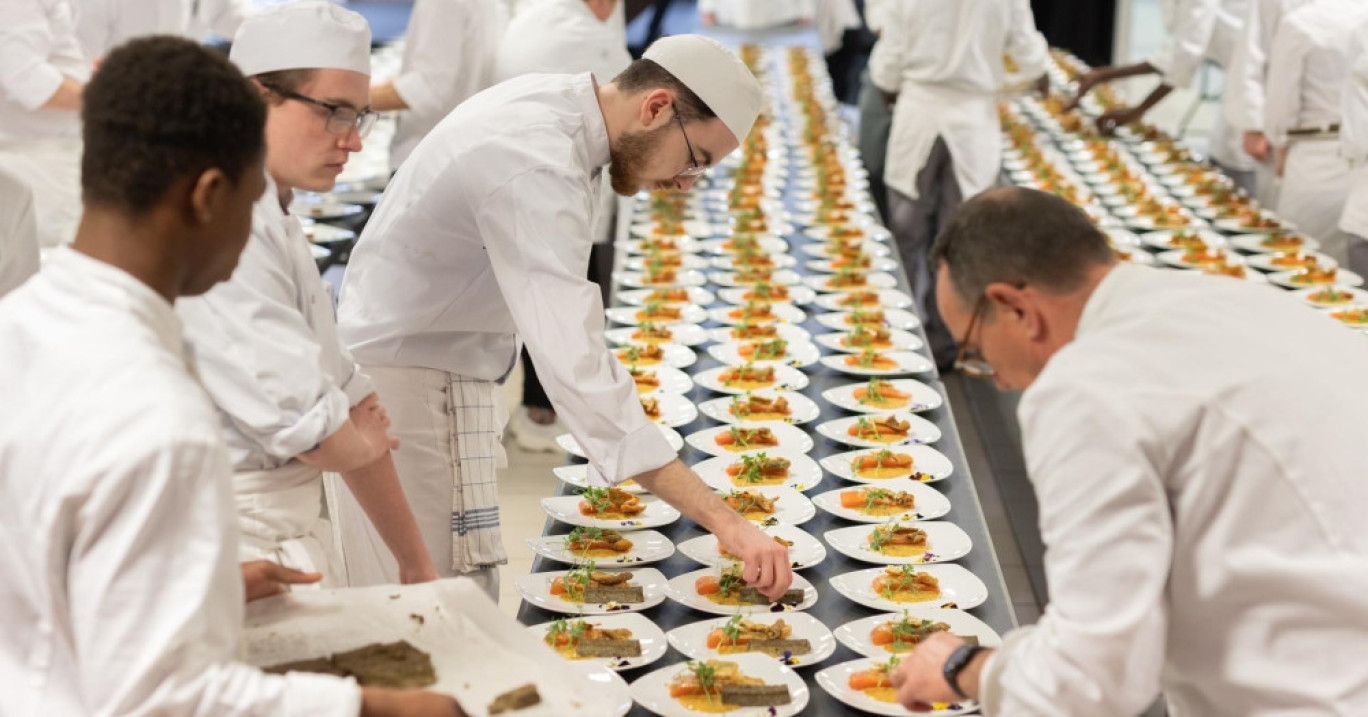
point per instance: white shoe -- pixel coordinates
(535, 437)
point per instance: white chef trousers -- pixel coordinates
(52, 169)
(1314, 188)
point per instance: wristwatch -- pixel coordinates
(956, 663)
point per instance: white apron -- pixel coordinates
(1314, 187)
(52, 169)
(278, 520)
(966, 120)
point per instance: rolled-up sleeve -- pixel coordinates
(1025, 43)
(441, 71)
(1108, 532)
(1181, 56)
(27, 77)
(538, 235)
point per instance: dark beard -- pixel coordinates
(629, 157)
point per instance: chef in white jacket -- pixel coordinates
(291, 399)
(449, 53)
(946, 56)
(119, 579)
(755, 14)
(1201, 486)
(1307, 70)
(1354, 146)
(42, 71)
(457, 268)
(18, 233)
(103, 25)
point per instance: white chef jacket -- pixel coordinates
(1200, 479)
(266, 349)
(456, 265)
(38, 47)
(832, 18)
(449, 55)
(1242, 102)
(756, 14)
(948, 56)
(551, 36)
(876, 14)
(18, 233)
(1354, 132)
(119, 583)
(103, 25)
(216, 17)
(1198, 30)
(1307, 66)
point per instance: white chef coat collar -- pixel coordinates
(114, 287)
(277, 208)
(1108, 293)
(595, 128)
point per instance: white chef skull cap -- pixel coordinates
(715, 74)
(311, 34)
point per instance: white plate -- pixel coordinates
(871, 231)
(768, 245)
(675, 410)
(686, 261)
(907, 361)
(676, 356)
(959, 589)
(797, 295)
(893, 318)
(888, 298)
(804, 473)
(790, 506)
(884, 264)
(688, 314)
(1264, 261)
(681, 589)
(801, 409)
(873, 280)
(929, 503)
(944, 542)
(788, 332)
(920, 430)
(821, 251)
(327, 233)
(565, 508)
(1255, 243)
(654, 643)
(692, 639)
(836, 681)
(1159, 239)
(1343, 277)
(637, 297)
(578, 475)
(683, 244)
(671, 379)
(923, 397)
(686, 334)
(777, 261)
(901, 340)
(785, 277)
(569, 444)
(855, 635)
(648, 546)
(782, 313)
(1236, 226)
(1357, 296)
(784, 377)
(687, 277)
(652, 691)
(323, 209)
(929, 465)
(797, 355)
(535, 588)
(1176, 258)
(790, 439)
(805, 552)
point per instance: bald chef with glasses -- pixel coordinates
(482, 243)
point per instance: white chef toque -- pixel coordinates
(311, 34)
(715, 74)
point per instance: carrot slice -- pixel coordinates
(881, 635)
(707, 585)
(867, 679)
(685, 690)
(852, 498)
(558, 587)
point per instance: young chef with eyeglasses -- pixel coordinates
(292, 401)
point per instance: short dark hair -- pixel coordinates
(646, 75)
(284, 80)
(1019, 236)
(160, 108)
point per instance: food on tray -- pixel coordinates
(868, 337)
(578, 639)
(766, 292)
(1236, 271)
(587, 585)
(1314, 276)
(652, 333)
(742, 635)
(877, 501)
(658, 312)
(772, 350)
(759, 469)
(1352, 317)
(1282, 242)
(597, 543)
(641, 355)
(718, 686)
(668, 296)
(646, 381)
(903, 583)
(753, 259)
(758, 275)
(740, 439)
(1204, 257)
(1186, 240)
(859, 317)
(661, 277)
(858, 261)
(876, 682)
(1258, 221)
(871, 360)
(652, 408)
(729, 588)
(879, 393)
(845, 279)
(887, 429)
(748, 377)
(754, 506)
(754, 312)
(750, 330)
(519, 698)
(1330, 297)
(1294, 260)
(397, 665)
(903, 635)
(728, 554)
(610, 504)
(899, 541)
(859, 298)
(742, 243)
(759, 408)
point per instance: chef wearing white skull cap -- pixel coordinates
(481, 244)
(291, 399)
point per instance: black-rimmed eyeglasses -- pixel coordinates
(341, 119)
(693, 170)
(970, 361)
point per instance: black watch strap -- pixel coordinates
(956, 663)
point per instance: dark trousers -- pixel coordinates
(915, 224)
(601, 273)
(876, 122)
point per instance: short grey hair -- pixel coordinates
(1019, 236)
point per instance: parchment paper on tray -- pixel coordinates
(477, 651)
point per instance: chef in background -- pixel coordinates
(1354, 146)
(449, 53)
(947, 56)
(105, 24)
(18, 233)
(755, 14)
(291, 399)
(42, 72)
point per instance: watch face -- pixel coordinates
(955, 664)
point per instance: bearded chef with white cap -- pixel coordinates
(291, 400)
(482, 242)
